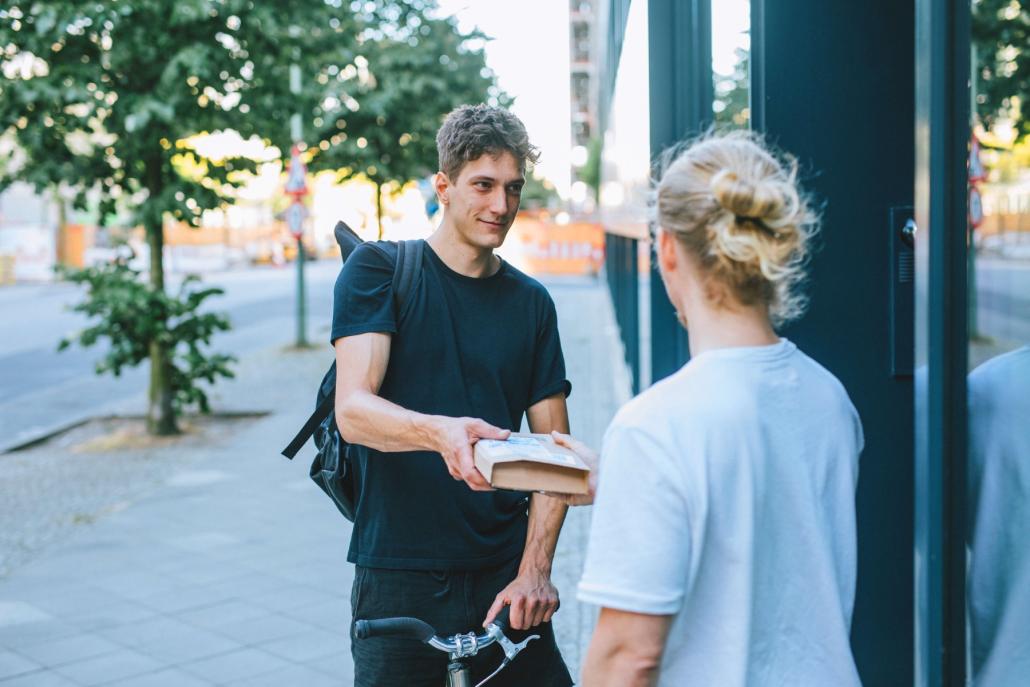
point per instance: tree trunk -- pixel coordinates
(379, 208)
(62, 229)
(161, 413)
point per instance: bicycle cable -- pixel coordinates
(489, 677)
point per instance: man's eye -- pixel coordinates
(515, 190)
(482, 185)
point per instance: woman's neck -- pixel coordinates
(710, 328)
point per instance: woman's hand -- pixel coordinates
(589, 457)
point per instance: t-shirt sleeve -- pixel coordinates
(639, 551)
(363, 295)
(548, 360)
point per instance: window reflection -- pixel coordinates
(731, 45)
(998, 583)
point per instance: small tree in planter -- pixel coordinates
(134, 318)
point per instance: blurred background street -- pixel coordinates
(143, 143)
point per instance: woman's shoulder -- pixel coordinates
(672, 405)
(822, 380)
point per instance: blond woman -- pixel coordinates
(722, 547)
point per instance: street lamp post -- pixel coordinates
(296, 186)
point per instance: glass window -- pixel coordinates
(731, 49)
(998, 578)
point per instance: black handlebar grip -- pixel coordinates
(501, 619)
(412, 628)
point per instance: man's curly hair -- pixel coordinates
(471, 131)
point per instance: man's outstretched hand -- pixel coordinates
(454, 439)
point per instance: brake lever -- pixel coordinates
(511, 649)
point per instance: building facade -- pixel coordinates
(911, 306)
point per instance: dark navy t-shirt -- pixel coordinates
(463, 346)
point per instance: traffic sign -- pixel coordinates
(295, 216)
(296, 176)
(976, 207)
(977, 171)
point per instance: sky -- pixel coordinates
(530, 55)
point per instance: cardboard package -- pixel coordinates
(531, 462)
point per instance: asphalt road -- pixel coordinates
(1003, 300)
(42, 389)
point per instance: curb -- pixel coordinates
(47, 434)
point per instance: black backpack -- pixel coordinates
(331, 469)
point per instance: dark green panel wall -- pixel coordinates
(835, 86)
(680, 81)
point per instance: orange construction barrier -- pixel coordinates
(559, 249)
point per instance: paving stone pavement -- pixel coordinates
(214, 561)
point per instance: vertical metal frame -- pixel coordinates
(623, 284)
(680, 73)
(942, 135)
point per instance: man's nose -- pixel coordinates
(499, 202)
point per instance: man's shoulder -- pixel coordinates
(381, 252)
(525, 283)
(371, 260)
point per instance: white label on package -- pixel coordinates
(519, 448)
(568, 460)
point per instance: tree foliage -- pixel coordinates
(732, 98)
(404, 81)
(1001, 38)
(108, 99)
(539, 194)
(591, 172)
(131, 316)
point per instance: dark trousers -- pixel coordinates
(451, 602)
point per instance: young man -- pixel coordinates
(474, 350)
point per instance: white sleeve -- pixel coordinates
(638, 556)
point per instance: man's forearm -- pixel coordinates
(546, 516)
(370, 420)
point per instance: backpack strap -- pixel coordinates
(327, 406)
(405, 275)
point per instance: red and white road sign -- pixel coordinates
(977, 171)
(296, 175)
(976, 207)
(295, 216)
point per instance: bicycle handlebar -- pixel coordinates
(458, 646)
(501, 621)
(412, 628)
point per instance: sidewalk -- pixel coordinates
(225, 565)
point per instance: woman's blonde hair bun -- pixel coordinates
(737, 206)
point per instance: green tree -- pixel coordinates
(732, 105)
(539, 193)
(1001, 42)
(403, 81)
(132, 317)
(106, 97)
(591, 172)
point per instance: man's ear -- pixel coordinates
(442, 185)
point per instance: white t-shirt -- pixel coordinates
(727, 500)
(999, 485)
